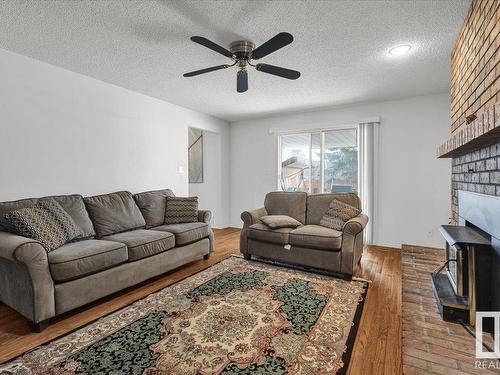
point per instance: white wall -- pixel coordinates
(414, 186)
(62, 132)
(210, 191)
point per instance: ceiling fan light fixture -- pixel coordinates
(242, 52)
(400, 50)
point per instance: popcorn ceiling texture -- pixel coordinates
(476, 90)
(340, 48)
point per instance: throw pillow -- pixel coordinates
(280, 221)
(181, 210)
(338, 214)
(46, 222)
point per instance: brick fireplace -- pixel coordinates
(474, 144)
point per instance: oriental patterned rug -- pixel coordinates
(236, 317)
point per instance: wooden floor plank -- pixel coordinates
(377, 349)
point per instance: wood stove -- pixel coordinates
(467, 282)
(455, 282)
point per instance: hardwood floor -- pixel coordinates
(378, 344)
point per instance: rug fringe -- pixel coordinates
(354, 278)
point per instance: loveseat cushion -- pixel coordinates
(338, 214)
(142, 243)
(280, 221)
(114, 213)
(319, 204)
(82, 258)
(287, 203)
(72, 204)
(186, 233)
(152, 205)
(261, 232)
(316, 237)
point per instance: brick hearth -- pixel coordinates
(431, 345)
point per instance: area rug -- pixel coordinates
(236, 317)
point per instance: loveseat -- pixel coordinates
(310, 244)
(123, 242)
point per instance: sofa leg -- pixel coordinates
(348, 277)
(206, 256)
(38, 327)
(247, 256)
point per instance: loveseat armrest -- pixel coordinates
(356, 224)
(352, 243)
(249, 218)
(25, 281)
(253, 216)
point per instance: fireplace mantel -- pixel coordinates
(483, 131)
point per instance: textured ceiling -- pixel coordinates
(340, 48)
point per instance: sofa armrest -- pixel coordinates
(252, 217)
(25, 280)
(352, 243)
(205, 216)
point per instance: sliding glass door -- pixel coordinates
(340, 161)
(319, 161)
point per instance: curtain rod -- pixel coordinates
(325, 125)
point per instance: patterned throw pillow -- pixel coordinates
(46, 222)
(338, 214)
(181, 210)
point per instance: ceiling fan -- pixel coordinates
(242, 52)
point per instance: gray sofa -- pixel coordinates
(309, 245)
(123, 242)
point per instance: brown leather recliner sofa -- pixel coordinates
(309, 245)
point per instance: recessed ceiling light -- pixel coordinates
(400, 50)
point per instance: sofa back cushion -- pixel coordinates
(152, 205)
(292, 204)
(72, 204)
(319, 204)
(114, 213)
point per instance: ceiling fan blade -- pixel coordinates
(275, 43)
(278, 71)
(213, 46)
(206, 70)
(242, 81)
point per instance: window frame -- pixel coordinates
(321, 131)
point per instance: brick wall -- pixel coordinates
(475, 89)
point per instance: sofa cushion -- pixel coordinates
(186, 233)
(280, 221)
(142, 243)
(152, 205)
(287, 203)
(75, 207)
(181, 210)
(72, 204)
(319, 204)
(262, 232)
(338, 214)
(46, 222)
(78, 259)
(316, 237)
(114, 213)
